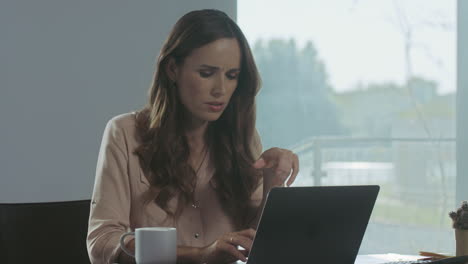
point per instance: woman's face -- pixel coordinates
(207, 78)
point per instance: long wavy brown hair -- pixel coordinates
(164, 151)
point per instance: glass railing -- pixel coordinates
(417, 180)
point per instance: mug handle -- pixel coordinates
(122, 243)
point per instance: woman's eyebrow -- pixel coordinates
(217, 68)
(209, 66)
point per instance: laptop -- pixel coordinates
(322, 224)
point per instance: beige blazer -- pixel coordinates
(118, 204)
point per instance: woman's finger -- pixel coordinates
(284, 167)
(242, 241)
(244, 252)
(268, 159)
(295, 168)
(260, 164)
(250, 233)
(265, 163)
(233, 251)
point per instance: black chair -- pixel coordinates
(52, 232)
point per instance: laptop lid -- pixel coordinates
(323, 224)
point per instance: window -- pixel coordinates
(364, 91)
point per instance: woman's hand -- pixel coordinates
(278, 165)
(224, 250)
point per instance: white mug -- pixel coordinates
(153, 245)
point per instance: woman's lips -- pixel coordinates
(215, 107)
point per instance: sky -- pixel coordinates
(361, 41)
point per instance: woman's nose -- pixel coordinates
(219, 88)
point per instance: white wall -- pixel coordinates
(462, 101)
(66, 67)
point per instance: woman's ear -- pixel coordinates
(171, 69)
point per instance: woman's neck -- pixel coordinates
(195, 134)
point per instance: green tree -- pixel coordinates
(295, 101)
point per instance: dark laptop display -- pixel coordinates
(313, 224)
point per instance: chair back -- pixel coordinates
(53, 232)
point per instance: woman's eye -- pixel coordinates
(232, 76)
(205, 74)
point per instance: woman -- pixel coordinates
(191, 158)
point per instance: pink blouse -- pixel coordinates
(118, 198)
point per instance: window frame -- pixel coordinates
(462, 98)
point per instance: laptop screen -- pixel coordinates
(323, 224)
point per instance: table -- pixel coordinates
(384, 258)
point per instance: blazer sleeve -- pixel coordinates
(110, 204)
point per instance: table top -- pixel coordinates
(384, 258)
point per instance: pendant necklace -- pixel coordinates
(196, 204)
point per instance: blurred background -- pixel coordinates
(365, 92)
